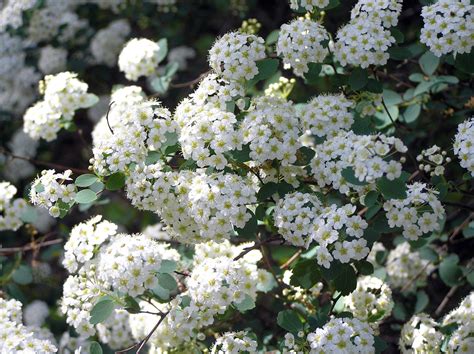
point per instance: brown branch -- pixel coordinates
(107, 117)
(293, 258)
(192, 82)
(43, 163)
(446, 299)
(143, 342)
(30, 246)
(458, 229)
(257, 245)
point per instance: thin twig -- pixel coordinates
(458, 229)
(410, 282)
(256, 246)
(30, 246)
(43, 163)
(292, 259)
(446, 299)
(145, 340)
(107, 117)
(192, 82)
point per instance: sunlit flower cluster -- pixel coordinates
(234, 342)
(369, 156)
(405, 268)
(271, 128)
(18, 338)
(300, 42)
(464, 144)
(11, 210)
(385, 12)
(462, 339)
(53, 190)
(327, 115)
(139, 57)
(420, 335)
(234, 56)
(419, 213)
(64, 93)
(196, 206)
(134, 128)
(342, 335)
(301, 219)
(448, 27)
(371, 301)
(308, 5)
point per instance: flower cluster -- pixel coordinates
(342, 335)
(129, 264)
(367, 155)
(139, 57)
(384, 12)
(327, 115)
(115, 331)
(234, 56)
(194, 205)
(272, 129)
(433, 160)
(52, 60)
(11, 210)
(83, 241)
(461, 340)
(51, 191)
(107, 43)
(464, 144)
(234, 342)
(362, 43)
(207, 134)
(371, 301)
(282, 88)
(134, 127)
(308, 5)
(448, 27)
(63, 95)
(35, 313)
(419, 213)
(406, 267)
(420, 335)
(301, 219)
(18, 338)
(300, 42)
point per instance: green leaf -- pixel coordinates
(86, 180)
(371, 198)
(89, 100)
(305, 274)
(167, 282)
(101, 311)
(399, 37)
(163, 49)
(85, 196)
(160, 84)
(374, 86)
(115, 181)
(332, 4)
(412, 112)
(266, 69)
(380, 345)
(131, 305)
(399, 53)
(399, 311)
(304, 155)
(449, 271)
(289, 320)
(358, 79)
(372, 211)
(246, 304)
(464, 62)
(422, 300)
(167, 266)
(395, 189)
(272, 38)
(364, 267)
(161, 293)
(269, 189)
(345, 279)
(95, 348)
(349, 176)
(171, 69)
(22, 275)
(391, 98)
(250, 229)
(428, 63)
(29, 215)
(312, 76)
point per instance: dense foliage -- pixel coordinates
(233, 176)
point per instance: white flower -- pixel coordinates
(308, 5)
(464, 144)
(448, 26)
(139, 57)
(11, 210)
(52, 60)
(107, 43)
(234, 342)
(300, 43)
(420, 335)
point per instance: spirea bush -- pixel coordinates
(236, 176)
